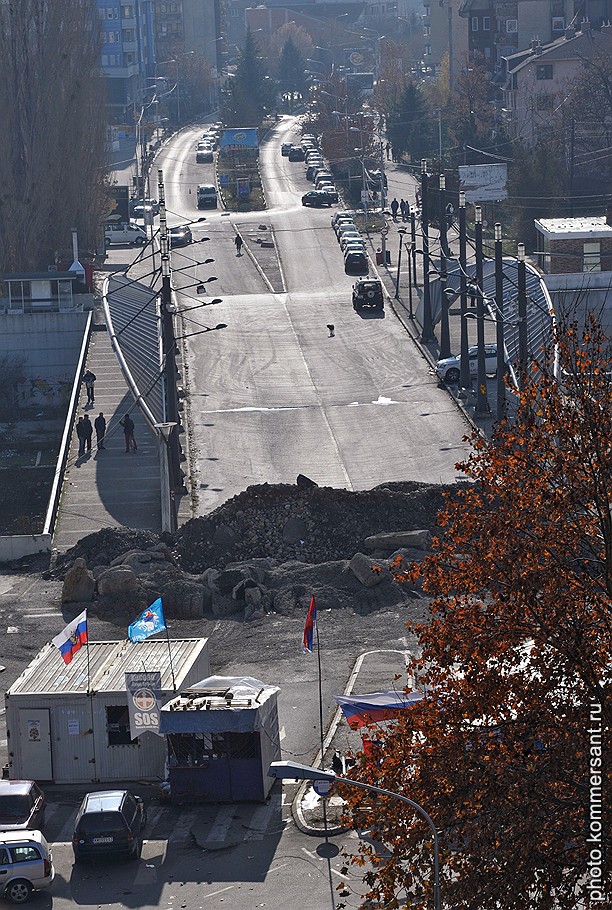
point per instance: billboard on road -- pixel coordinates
(484, 182)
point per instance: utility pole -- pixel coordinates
(383, 203)
(465, 379)
(169, 344)
(499, 325)
(445, 348)
(427, 334)
(522, 311)
(413, 245)
(482, 402)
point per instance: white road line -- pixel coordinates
(39, 615)
(214, 893)
(182, 827)
(221, 825)
(260, 821)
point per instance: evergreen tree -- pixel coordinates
(409, 127)
(250, 94)
(291, 69)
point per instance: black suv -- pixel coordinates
(368, 292)
(109, 822)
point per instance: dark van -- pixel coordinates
(109, 822)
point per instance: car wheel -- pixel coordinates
(139, 242)
(19, 891)
(452, 375)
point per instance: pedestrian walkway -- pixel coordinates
(109, 488)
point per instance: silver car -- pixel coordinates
(26, 864)
(449, 369)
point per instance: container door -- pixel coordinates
(35, 741)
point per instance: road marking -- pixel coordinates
(39, 615)
(11, 630)
(221, 825)
(182, 827)
(220, 891)
(260, 821)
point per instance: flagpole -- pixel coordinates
(170, 657)
(90, 695)
(322, 735)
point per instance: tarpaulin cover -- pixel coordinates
(362, 710)
(226, 717)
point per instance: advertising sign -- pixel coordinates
(243, 186)
(120, 202)
(484, 182)
(238, 140)
(144, 702)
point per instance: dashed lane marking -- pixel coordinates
(221, 825)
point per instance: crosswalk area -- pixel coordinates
(206, 827)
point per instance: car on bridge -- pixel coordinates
(449, 369)
(368, 292)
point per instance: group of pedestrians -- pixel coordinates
(402, 207)
(85, 428)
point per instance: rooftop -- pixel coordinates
(109, 661)
(574, 228)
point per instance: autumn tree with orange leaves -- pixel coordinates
(509, 752)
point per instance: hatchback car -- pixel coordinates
(109, 822)
(449, 369)
(356, 264)
(310, 170)
(22, 806)
(331, 190)
(348, 237)
(138, 207)
(296, 153)
(26, 864)
(343, 226)
(179, 235)
(285, 148)
(204, 153)
(317, 198)
(368, 292)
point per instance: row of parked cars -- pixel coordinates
(351, 243)
(108, 823)
(324, 192)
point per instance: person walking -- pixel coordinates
(388, 151)
(100, 428)
(238, 241)
(404, 209)
(394, 208)
(89, 379)
(88, 431)
(80, 431)
(128, 431)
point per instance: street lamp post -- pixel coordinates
(427, 334)
(499, 325)
(288, 770)
(482, 400)
(176, 60)
(522, 308)
(445, 348)
(465, 379)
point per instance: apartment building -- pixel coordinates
(182, 26)
(127, 55)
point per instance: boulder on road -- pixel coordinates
(79, 583)
(366, 570)
(117, 580)
(389, 541)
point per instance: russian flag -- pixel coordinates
(309, 627)
(72, 638)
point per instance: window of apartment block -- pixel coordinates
(127, 12)
(591, 261)
(427, 50)
(511, 26)
(486, 23)
(426, 31)
(558, 24)
(544, 71)
(426, 11)
(129, 34)
(474, 23)
(101, 14)
(129, 58)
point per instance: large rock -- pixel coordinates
(79, 583)
(294, 530)
(366, 570)
(224, 537)
(117, 580)
(389, 541)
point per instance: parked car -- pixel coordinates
(296, 153)
(26, 864)
(204, 153)
(347, 237)
(343, 226)
(339, 216)
(211, 138)
(449, 369)
(318, 198)
(22, 806)
(310, 171)
(331, 190)
(285, 149)
(109, 822)
(368, 292)
(138, 206)
(206, 196)
(354, 246)
(356, 264)
(179, 235)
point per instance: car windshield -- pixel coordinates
(14, 806)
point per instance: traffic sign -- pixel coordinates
(322, 787)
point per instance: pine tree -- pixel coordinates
(291, 69)
(409, 127)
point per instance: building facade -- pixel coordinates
(127, 55)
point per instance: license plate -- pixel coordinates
(102, 840)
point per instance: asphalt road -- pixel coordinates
(273, 395)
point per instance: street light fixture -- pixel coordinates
(289, 770)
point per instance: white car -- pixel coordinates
(349, 237)
(26, 864)
(449, 369)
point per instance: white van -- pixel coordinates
(26, 864)
(129, 233)
(207, 196)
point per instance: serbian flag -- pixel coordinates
(72, 638)
(309, 627)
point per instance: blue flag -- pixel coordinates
(152, 620)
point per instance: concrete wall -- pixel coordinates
(19, 545)
(535, 21)
(50, 345)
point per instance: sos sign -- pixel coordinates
(144, 702)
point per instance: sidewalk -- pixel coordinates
(109, 488)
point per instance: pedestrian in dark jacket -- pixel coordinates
(238, 241)
(100, 428)
(128, 431)
(88, 431)
(80, 431)
(394, 208)
(89, 378)
(404, 210)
